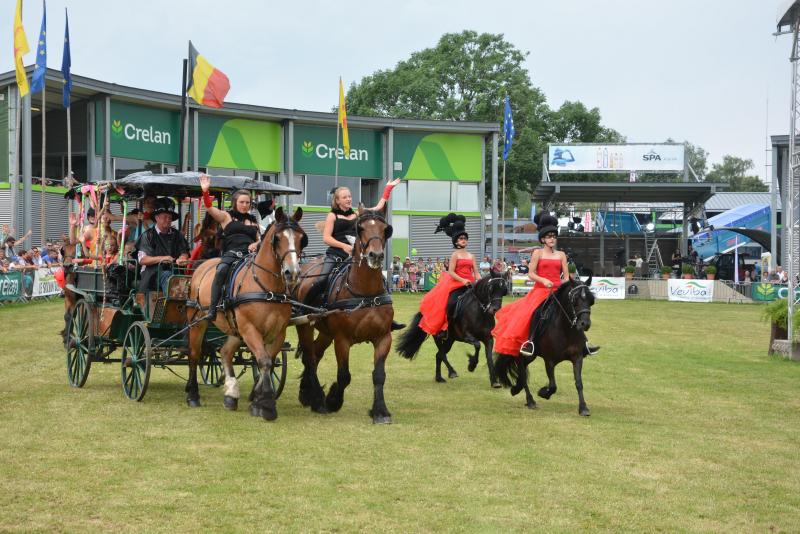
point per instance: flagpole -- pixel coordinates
(68, 181)
(502, 216)
(184, 116)
(336, 172)
(15, 177)
(42, 224)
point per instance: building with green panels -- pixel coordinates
(117, 130)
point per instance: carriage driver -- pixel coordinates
(240, 236)
(161, 243)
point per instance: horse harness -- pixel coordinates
(573, 319)
(358, 301)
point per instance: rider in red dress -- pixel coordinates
(459, 276)
(547, 266)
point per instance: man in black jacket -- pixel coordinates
(161, 244)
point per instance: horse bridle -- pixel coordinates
(366, 216)
(279, 227)
(573, 320)
(485, 307)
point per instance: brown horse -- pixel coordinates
(68, 251)
(258, 314)
(359, 289)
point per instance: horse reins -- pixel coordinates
(368, 216)
(574, 319)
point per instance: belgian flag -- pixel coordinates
(207, 84)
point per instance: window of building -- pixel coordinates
(123, 167)
(400, 226)
(400, 196)
(467, 197)
(428, 195)
(318, 189)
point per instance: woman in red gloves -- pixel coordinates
(240, 236)
(460, 274)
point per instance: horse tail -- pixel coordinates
(411, 340)
(506, 370)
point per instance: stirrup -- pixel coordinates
(590, 350)
(526, 349)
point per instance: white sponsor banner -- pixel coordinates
(520, 283)
(690, 290)
(44, 283)
(621, 158)
(607, 287)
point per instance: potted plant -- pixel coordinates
(688, 271)
(573, 271)
(629, 270)
(711, 272)
(666, 272)
(776, 313)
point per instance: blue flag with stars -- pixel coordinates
(508, 130)
(37, 81)
(66, 62)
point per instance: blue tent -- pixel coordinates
(719, 240)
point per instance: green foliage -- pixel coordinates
(666, 269)
(630, 269)
(733, 171)
(711, 269)
(465, 77)
(687, 269)
(777, 312)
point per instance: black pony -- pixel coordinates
(559, 325)
(470, 319)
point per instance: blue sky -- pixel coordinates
(696, 70)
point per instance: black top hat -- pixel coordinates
(547, 225)
(165, 205)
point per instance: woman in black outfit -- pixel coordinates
(240, 236)
(339, 233)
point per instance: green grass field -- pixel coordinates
(693, 428)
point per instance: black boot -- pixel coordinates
(216, 290)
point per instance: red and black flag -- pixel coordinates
(207, 84)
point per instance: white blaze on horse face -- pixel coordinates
(291, 254)
(232, 387)
(370, 259)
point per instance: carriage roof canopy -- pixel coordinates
(186, 184)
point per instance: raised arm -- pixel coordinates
(387, 192)
(218, 215)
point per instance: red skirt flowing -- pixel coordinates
(434, 305)
(514, 321)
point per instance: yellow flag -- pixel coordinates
(20, 49)
(343, 121)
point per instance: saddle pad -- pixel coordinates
(237, 266)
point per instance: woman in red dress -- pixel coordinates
(459, 276)
(547, 267)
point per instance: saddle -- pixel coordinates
(542, 318)
(228, 286)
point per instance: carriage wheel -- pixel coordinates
(136, 359)
(211, 369)
(80, 344)
(278, 374)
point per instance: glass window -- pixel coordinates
(468, 198)
(219, 171)
(428, 195)
(400, 196)
(400, 225)
(318, 189)
(123, 167)
(370, 195)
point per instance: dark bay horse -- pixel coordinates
(68, 252)
(559, 325)
(470, 319)
(358, 289)
(259, 314)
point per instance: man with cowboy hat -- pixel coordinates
(161, 243)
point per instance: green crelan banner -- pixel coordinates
(11, 285)
(239, 144)
(420, 156)
(315, 152)
(139, 132)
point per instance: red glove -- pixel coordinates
(207, 200)
(387, 191)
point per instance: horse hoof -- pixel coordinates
(515, 390)
(193, 403)
(269, 414)
(381, 420)
(323, 410)
(230, 403)
(452, 374)
(440, 380)
(531, 405)
(545, 393)
(473, 364)
(497, 385)
(584, 412)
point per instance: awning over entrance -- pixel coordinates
(691, 193)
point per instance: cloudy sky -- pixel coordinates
(700, 70)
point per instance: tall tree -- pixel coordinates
(733, 171)
(466, 77)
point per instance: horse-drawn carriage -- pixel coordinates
(108, 320)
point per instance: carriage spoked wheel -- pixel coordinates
(80, 344)
(278, 374)
(136, 361)
(211, 369)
